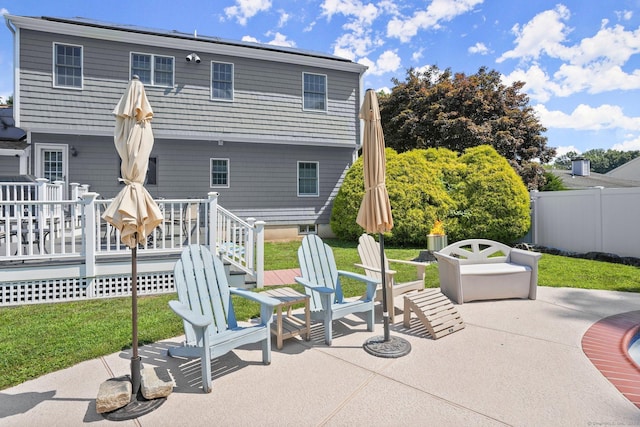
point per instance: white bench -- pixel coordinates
(479, 269)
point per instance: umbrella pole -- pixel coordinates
(135, 358)
(385, 311)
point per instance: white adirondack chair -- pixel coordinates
(321, 280)
(369, 251)
(205, 305)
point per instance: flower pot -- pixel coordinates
(435, 242)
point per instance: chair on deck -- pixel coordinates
(30, 235)
(369, 251)
(206, 307)
(186, 219)
(321, 280)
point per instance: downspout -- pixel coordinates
(24, 159)
(16, 68)
(360, 98)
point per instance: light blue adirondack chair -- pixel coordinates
(321, 280)
(205, 305)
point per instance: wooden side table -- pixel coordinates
(288, 326)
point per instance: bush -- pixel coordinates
(477, 195)
(553, 183)
(494, 199)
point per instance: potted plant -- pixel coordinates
(436, 239)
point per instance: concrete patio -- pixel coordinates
(517, 362)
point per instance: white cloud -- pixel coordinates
(245, 9)
(629, 145)
(388, 62)
(585, 117)
(611, 44)
(280, 40)
(480, 48)
(363, 14)
(544, 33)
(284, 17)
(593, 65)
(624, 15)
(359, 40)
(561, 151)
(537, 83)
(356, 45)
(417, 55)
(438, 11)
(3, 11)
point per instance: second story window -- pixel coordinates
(222, 81)
(67, 68)
(220, 173)
(153, 70)
(314, 92)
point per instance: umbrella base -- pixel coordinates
(395, 347)
(138, 407)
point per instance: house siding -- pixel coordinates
(9, 165)
(264, 131)
(262, 177)
(267, 99)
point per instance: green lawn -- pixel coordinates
(37, 339)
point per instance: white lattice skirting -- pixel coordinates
(75, 289)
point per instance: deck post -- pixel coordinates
(213, 222)
(89, 233)
(259, 233)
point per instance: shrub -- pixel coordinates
(495, 200)
(553, 183)
(475, 195)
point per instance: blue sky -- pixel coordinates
(580, 59)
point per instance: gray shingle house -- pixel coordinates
(272, 129)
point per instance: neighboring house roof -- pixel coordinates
(629, 170)
(11, 137)
(17, 178)
(577, 182)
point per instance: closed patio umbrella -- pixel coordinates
(133, 211)
(375, 214)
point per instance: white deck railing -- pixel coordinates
(51, 230)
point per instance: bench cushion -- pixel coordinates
(492, 269)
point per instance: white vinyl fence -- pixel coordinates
(593, 220)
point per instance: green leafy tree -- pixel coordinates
(476, 195)
(564, 161)
(435, 108)
(603, 161)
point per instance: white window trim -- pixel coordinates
(317, 179)
(211, 172)
(326, 93)
(53, 64)
(233, 82)
(153, 67)
(306, 230)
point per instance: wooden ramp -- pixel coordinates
(435, 311)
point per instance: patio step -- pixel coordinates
(237, 278)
